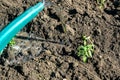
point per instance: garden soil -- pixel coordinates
(46, 48)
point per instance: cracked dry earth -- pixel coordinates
(43, 51)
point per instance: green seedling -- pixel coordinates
(101, 3)
(64, 27)
(12, 42)
(86, 50)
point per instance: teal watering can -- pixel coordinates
(16, 25)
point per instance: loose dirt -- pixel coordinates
(44, 50)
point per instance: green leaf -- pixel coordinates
(85, 48)
(90, 53)
(12, 42)
(84, 37)
(79, 54)
(87, 38)
(86, 54)
(85, 43)
(90, 46)
(64, 28)
(80, 48)
(84, 59)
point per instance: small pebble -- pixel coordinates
(16, 47)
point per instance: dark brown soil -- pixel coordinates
(43, 51)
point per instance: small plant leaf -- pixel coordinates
(84, 59)
(90, 46)
(12, 42)
(90, 53)
(101, 3)
(64, 27)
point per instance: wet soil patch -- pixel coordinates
(44, 50)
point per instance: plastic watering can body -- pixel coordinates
(16, 25)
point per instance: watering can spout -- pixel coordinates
(17, 24)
